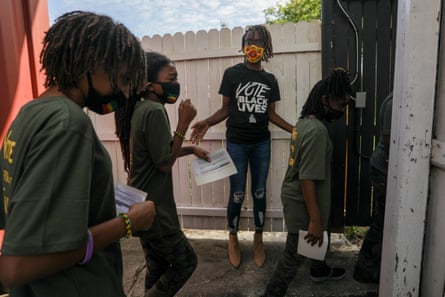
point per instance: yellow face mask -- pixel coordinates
(253, 53)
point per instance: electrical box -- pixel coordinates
(360, 99)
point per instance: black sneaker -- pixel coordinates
(330, 273)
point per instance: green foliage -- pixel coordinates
(294, 11)
(355, 234)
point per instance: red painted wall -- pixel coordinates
(23, 24)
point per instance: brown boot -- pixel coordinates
(234, 251)
(259, 255)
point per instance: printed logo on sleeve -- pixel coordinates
(8, 151)
(8, 148)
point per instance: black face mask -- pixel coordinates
(170, 92)
(103, 104)
(333, 114)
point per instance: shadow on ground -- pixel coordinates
(214, 277)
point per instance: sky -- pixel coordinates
(151, 17)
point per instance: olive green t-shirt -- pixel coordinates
(57, 181)
(380, 157)
(151, 147)
(309, 159)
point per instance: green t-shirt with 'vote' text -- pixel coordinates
(57, 181)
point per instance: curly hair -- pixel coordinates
(79, 42)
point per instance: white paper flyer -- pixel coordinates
(126, 196)
(220, 166)
(312, 251)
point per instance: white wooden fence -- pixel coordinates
(201, 59)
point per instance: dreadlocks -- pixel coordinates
(154, 62)
(122, 119)
(335, 85)
(265, 35)
(79, 42)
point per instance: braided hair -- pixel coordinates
(79, 42)
(335, 85)
(154, 62)
(265, 35)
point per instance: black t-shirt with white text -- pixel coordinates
(250, 94)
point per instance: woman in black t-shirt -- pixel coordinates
(249, 95)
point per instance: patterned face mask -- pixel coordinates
(170, 92)
(253, 53)
(103, 104)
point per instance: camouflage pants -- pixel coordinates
(170, 262)
(286, 268)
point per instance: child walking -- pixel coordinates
(149, 151)
(58, 207)
(306, 188)
(248, 94)
(367, 266)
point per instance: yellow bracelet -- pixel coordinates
(179, 134)
(127, 222)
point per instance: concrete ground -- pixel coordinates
(215, 277)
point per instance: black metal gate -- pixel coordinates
(358, 35)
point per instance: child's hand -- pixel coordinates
(314, 233)
(201, 153)
(186, 112)
(141, 215)
(199, 130)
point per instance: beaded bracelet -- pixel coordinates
(179, 134)
(127, 222)
(90, 249)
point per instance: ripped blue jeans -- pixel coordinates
(257, 157)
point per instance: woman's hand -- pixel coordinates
(199, 130)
